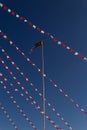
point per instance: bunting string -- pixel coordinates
(17, 106)
(8, 116)
(31, 100)
(63, 45)
(35, 89)
(28, 94)
(45, 75)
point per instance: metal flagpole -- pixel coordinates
(43, 85)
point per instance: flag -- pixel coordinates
(38, 44)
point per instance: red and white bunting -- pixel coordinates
(28, 94)
(31, 100)
(45, 75)
(63, 45)
(8, 116)
(36, 90)
(17, 106)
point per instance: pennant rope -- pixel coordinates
(8, 116)
(45, 75)
(63, 45)
(31, 100)
(17, 106)
(35, 89)
(28, 94)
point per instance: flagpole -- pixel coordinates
(43, 85)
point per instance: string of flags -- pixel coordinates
(45, 75)
(8, 116)
(17, 106)
(28, 97)
(36, 90)
(28, 94)
(63, 45)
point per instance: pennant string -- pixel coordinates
(63, 45)
(28, 94)
(35, 89)
(8, 116)
(32, 101)
(17, 106)
(45, 75)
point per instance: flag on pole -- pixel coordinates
(38, 44)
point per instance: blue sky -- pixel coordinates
(67, 21)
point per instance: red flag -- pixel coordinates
(38, 44)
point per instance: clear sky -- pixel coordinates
(67, 21)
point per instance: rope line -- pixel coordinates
(35, 89)
(45, 75)
(63, 45)
(28, 94)
(17, 106)
(8, 116)
(22, 95)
